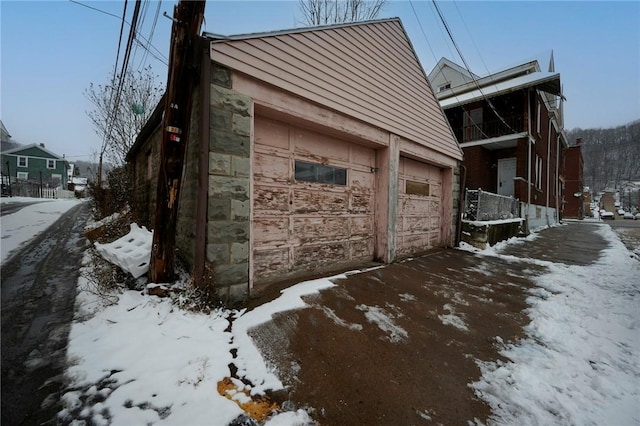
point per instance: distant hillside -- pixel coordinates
(611, 156)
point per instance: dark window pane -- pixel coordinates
(416, 188)
(311, 172)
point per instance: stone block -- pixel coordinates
(241, 125)
(240, 166)
(219, 209)
(227, 232)
(230, 100)
(227, 275)
(240, 210)
(239, 252)
(229, 143)
(220, 75)
(219, 164)
(221, 119)
(218, 253)
(228, 187)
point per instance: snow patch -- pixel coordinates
(384, 321)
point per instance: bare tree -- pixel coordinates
(120, 109)
(324, 12)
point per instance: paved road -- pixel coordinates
(9, 208)
(38, 293)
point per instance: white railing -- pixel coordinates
(484, 206)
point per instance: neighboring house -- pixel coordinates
(574, 182)
(34, 163)
(608, 201)
(510, 127)
(323, 147)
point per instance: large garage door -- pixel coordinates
(313, 200)
(419, 207)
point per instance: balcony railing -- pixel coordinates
(483, 206)
(491, 129)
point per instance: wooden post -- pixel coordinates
(187, 19)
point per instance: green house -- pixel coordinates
(34, 163)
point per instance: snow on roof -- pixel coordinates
(546, 81)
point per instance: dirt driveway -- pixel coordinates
(398, 345)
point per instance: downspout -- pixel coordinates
(556, 183)
(203, 168)
(526, 215)
(548, 162)
(461, 201)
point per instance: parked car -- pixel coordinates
(621, 212)
(607, 215)
(629, 215)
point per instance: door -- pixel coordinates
(506, 174)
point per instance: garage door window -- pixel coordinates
(319, 173)
(417, 188)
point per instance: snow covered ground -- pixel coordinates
(22, 226)
(144, 360)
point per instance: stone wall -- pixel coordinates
(186, 222)
(147, 162)
(228, 221)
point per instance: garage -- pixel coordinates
(313, 201)
(419, 206)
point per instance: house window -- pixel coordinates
(51, 164)
(416, 188)
(23, 161)
(319, 173)
(22, 175)
(444, 87)
(538, 172)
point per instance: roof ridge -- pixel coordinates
(222, 38)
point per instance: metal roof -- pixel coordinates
(545, 81)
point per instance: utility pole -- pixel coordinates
(187, 19)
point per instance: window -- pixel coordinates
(23, 175)
(416, 188)
(472, 122)
(538, 172)
(51, 164)
(311, 172)
(538, 120)
(444, 87)
(23, 161)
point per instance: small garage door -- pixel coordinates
(313, 200)
(419, 207)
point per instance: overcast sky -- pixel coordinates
(52, 50)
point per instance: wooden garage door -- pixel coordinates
(302, 225)
(419, 207)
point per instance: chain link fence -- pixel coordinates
(482, 206)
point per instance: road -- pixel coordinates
(9, 208)
(38, 293)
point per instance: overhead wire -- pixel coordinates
(440, 70)
(455, 44)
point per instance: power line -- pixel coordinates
(439, 69)
(446, 26)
